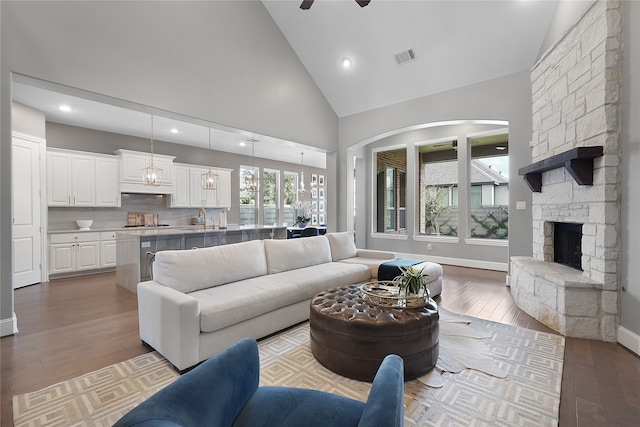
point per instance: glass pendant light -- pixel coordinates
(301, 188)
(209, 179)
(151, 175)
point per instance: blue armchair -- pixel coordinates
(223, 392)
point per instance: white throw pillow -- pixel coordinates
(342, 245)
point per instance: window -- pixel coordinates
(489, 173)
(270, 200)
(391, 191)
(438, 188)
(248, 192)
(289, 193)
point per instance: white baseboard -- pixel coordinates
(9, 326)
(472, 263)
(629, 339)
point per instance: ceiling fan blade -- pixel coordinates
(306, 4)
(363, 3)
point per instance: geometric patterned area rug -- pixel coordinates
(522, 388)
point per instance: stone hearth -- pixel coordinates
(575, 88)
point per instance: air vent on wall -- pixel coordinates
(405, 56)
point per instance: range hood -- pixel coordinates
(131, 165)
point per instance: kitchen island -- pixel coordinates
(136, 248)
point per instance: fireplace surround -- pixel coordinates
(575, 104)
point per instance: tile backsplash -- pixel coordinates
(104, 218)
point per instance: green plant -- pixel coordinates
(411, 280)
(494, 227)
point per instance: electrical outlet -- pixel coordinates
(521, 205)
(429, 246)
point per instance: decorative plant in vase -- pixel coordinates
(412, 282)
(301, 212)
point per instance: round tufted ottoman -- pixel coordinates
(351, 336)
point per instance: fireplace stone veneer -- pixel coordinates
(575, 103)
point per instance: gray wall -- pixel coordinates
(224, 62)
(506, 98)
(28, 121)
(630, 251)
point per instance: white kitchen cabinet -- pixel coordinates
(107, 186)
(218, 198)
(199, 197)
(131, 165)
(70, 179)
(107, 249)
(180, 196)
(223, 193)
(70, 252)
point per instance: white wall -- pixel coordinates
(221, 61)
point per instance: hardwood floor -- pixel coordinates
(69, 327)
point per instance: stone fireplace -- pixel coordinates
(575, 95)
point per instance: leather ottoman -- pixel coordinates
(351, 336)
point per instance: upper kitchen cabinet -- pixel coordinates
(70, 179)
(223, 193)
(180, 196)
(201, 198)
(79, 179)
(198, 196)
(107, 185)
(131, 165)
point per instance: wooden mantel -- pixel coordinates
(577, 161)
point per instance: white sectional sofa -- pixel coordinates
(203, 300)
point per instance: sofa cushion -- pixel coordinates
(289, 254)
(342, 245)
(191, 270)
(227, 305)
(372, 263)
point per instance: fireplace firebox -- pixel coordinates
(567, 244)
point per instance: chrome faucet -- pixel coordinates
(203, 211)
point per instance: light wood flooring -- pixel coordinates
(69, 327)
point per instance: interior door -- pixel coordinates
(26, 206)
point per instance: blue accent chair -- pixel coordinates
(223, 392)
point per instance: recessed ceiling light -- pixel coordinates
(346, 63)
(242, 144)
(65, 108)
(174, 130)
(500, 147)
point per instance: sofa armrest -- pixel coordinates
(376, 254)
(170, 323)
(385, 405)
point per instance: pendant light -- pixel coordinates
(251, 181)
(209, 179)
(151, 175)
(301, 188)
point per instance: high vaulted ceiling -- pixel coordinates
(456, 43)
